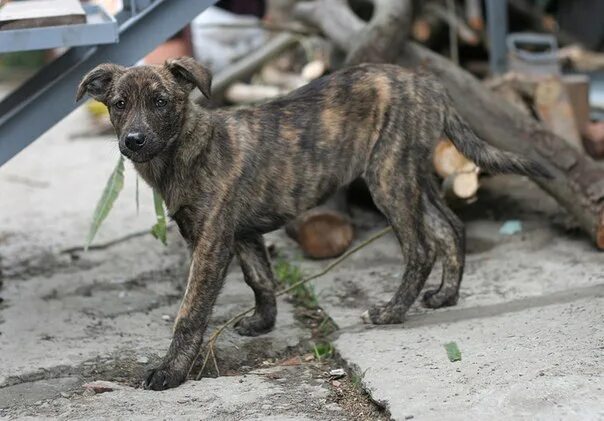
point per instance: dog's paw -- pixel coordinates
(254, 325)
(385, 314)
(438, 299)
(162, 378)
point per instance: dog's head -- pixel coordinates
(146, 103)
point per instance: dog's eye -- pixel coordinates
(159, 102)
(120, 105)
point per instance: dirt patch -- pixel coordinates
(348, 393)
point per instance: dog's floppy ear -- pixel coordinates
(191, 74)
(96, 83)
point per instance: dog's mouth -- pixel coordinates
(138, 159)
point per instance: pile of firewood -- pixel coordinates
(546, 118)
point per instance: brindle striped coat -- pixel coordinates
(227, 177)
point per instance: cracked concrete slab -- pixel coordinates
(538, 363)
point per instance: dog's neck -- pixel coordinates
(175, 162)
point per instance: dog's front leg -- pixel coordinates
(209, 263)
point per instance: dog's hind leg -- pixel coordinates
(257, 272)
(449, 235)
(402, 204)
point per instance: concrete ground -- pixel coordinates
(529, 324)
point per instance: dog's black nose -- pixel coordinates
(135, 141)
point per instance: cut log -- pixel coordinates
(518, 90)
(325, 231)
(271, 75)
(463, 185)
(554, 109)
(243, 93)
(448, 160)
(577, 87)
(460, 175)
(578, 183)
(313, 70)
(582, 59)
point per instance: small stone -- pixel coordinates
(337, 373)
(100, 386)
(365, 317)
(66, 395)
(291, 361)
(165, 317)
(142, 360)
(336, 383)
(309, 357)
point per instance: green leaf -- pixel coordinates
(453, 352)
(322, 350)
(159, 230)
(114, 186)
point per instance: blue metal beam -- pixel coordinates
(497, 30)
(49, 96)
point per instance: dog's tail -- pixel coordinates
(484, 155)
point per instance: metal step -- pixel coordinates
(49, 95)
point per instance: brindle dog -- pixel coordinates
(228, 176)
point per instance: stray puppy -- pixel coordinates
(229, 176)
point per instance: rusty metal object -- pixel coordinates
(593, 139)
(600, 235)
